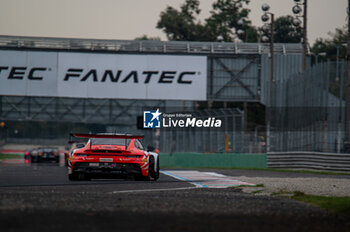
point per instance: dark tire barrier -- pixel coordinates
(309, 160)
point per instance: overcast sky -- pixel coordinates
(127, 19)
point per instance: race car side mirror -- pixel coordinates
(150, 148)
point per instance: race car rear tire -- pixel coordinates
(33, 159)
(154, 175)
(157, 172)
(73, 176)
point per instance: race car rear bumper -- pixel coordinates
(103, 169)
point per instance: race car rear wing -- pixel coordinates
(105, 136)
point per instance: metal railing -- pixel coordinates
(309, 160)
(145, 46)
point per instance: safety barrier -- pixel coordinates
(213, 160)
(309, 160)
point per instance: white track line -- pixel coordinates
(179, 177)
(205, 179)
(152, 190)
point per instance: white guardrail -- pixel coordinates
(309, 160)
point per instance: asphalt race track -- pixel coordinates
(39, 197)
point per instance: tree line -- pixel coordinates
(229, 21)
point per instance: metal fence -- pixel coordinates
(210, 140)
(307, 110)
(147, 46)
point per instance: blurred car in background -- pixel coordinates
(43, 154)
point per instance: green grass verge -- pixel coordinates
(340, 205)
(6, 156)
(265, 169)
(335, 204)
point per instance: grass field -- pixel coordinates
(6, 156)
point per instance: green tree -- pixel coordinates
(251, 35)
(226, 19)
(329, 47)
(181, 25)
(286, 32)
(145, 37)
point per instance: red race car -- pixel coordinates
(112, 156)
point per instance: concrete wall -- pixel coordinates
(221, 160)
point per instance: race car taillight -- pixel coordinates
(27, 153)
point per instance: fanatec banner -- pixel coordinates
(89, 75)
